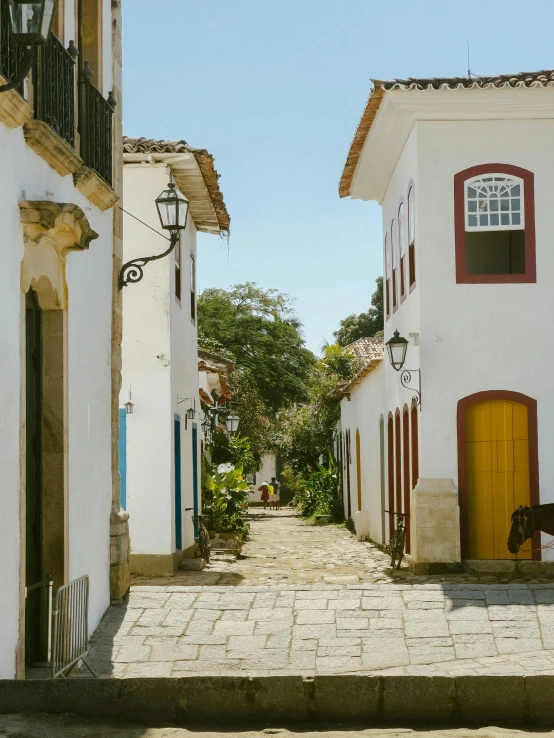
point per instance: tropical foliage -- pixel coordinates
(233, 450)
(226, 498)
(305, 432)
(364, 325)
(320, 495)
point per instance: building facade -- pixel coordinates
(466, 233)
(161, 459)
(60, 187)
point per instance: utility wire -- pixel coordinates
(143, 223)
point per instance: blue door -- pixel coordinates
(122, 448)
(195, 473)
(178, 512)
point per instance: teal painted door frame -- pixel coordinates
(178, 502)
(195, 474)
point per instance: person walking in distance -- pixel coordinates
(276, 493)
(263, 488)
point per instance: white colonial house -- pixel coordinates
(462, 169)
(160, 439)
(60, 179)
(360, 441)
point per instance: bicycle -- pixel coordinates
(203, 536)
(396, 544)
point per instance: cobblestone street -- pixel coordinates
(313, 600)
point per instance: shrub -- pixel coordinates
(228, 498)
(320, 494)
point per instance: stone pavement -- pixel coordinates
(66, 726)
(311, 600)
(435, 629)
(283, 549)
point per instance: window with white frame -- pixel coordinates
(402, 247)
(394, 246)
(494, 224)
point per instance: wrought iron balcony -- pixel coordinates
(95, 126)
(11, 54)
(54, 88)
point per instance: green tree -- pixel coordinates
(254, 423)
(305, 432)
(262, 331)
(364, 325)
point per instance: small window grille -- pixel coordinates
(411, 236)
(393, 243)
(402, 247)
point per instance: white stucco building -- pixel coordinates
(56, 286)
(160, 457)
(462, 169)
(360, 441)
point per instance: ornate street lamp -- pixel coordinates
(232, 423)
(173, 209)
(31, 23)
(397, 346)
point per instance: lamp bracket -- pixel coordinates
(405, 380)
(26, 64)
(132, 271)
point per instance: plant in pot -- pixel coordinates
(228, 491)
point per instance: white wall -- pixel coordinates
(89, 277)
(268, 470)
(473, 337)
(363, 412)
(156, 324)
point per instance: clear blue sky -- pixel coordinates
(274, 89)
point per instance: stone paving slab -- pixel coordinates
(317, 629)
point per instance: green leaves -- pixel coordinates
(227, 499)
(364, 325)
(260, 328)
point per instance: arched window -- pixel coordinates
(495, 224)
(388, 269)
(411, 235)
(394, 247)
(402, 248)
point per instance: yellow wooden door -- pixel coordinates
(359, 468)
(497, 439)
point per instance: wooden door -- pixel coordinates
(359, 468)
(498, 475)
(34, 623)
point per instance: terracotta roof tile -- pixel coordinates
(205, 162)
(367, 350)
(542, 78)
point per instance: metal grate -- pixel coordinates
(70, 632)
(54, 82)
(11, 54)
(96, 115)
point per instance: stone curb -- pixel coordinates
(360, 700)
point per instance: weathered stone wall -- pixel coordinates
(119, 529)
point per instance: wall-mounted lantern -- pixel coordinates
(129, 405)
(190, 412)
(172, 208)
(31, 23)
(232, 423)
(397, 346)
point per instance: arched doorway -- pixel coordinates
(498, 470)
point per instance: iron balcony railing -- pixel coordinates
(54, 88)
(96, 127)
(11, 54)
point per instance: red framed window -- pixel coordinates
(393, 246)
(411, 237)
(402, 249)
(494, 211)
(178, 270)
(387, 274)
